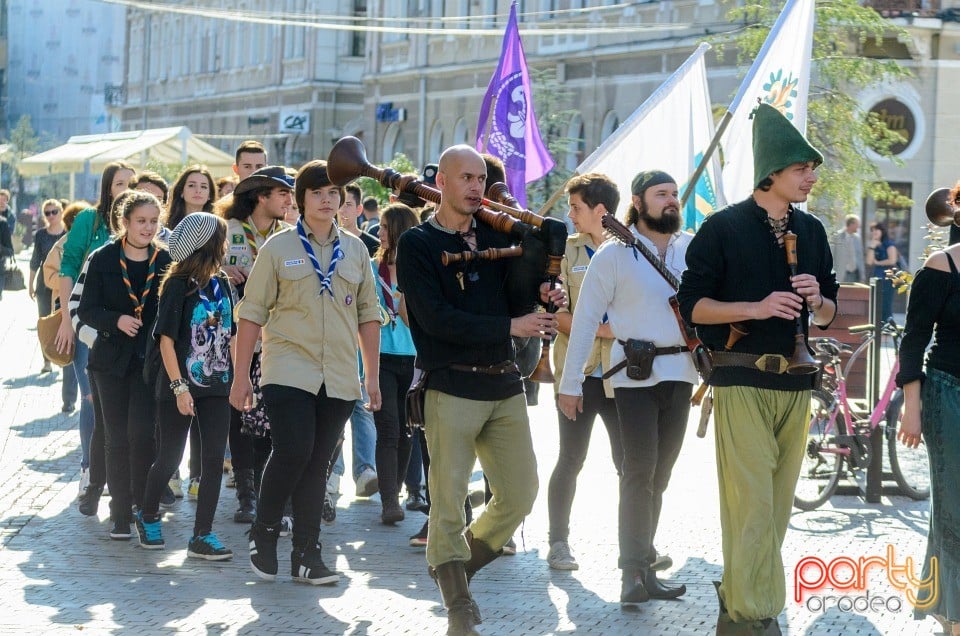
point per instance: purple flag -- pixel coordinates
(508, 126)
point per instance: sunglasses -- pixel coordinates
(51, 212)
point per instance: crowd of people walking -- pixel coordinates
(247, 319)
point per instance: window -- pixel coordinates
(436, 142)
(575, 143)
(460, 132)
(610, 123)
(392, 142)
(358, 39)
(395, 9)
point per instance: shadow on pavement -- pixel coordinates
(78, 575)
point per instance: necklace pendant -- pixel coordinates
(212, 319)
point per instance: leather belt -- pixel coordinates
(495, 369)
(659, 351)
(768, 362)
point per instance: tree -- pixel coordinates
(23, 142)
(836, 123)
(372, 188)
(554, 115)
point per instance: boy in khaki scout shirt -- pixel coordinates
(253, 214)
(312, 292)
(590, 197)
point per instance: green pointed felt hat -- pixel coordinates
(777, 144)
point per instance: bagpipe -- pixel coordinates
(540, 242)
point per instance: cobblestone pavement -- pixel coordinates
(60, 573)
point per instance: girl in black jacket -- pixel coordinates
(194, 328)
(119, 298)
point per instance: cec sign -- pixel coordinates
(294, 122)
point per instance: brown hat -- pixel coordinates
(267, 177)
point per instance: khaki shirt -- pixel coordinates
(308, 340)
(573, 268)
(239, 252)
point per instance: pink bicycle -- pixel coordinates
(839, 447)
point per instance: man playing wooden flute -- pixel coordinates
(652, 400)
(737, 272)
(462, 318)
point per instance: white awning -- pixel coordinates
(90, 153)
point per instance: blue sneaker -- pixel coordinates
(208, 547)
(149, 533)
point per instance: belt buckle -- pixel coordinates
(772, 363)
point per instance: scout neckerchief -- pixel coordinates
(138, 303)
(214, 309)
(250, 233)
(326, 281)
(383, 275)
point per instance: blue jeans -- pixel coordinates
(86, 404)
(364, 433)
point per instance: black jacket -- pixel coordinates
(104, 300)
(734, 257)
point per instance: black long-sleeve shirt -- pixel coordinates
(734, 257)
(934, 309)
(450, 325)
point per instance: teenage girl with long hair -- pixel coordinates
(120, 297)
(193, 191)
(194, 328)
(90, 230)
(397, 355)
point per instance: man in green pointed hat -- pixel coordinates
(737, 272)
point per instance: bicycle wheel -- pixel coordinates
(910, 466)
(821, 470)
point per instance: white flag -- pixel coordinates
(779, 76)
(670, 131)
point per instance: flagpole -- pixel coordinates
(552, 201)
(692, 181)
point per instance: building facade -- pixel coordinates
(65, 60)
(296, 88)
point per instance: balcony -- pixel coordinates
(904, 8)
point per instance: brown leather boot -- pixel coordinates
(481, 554)
(452, 580)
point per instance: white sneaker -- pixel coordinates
(333, 484)
(560, 557)
(367, 483)
(84, 480)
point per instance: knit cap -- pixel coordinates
(191, 234)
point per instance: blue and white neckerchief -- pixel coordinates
(214, 309)
(326, 281)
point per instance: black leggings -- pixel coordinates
(305, 430)
(574, 442)
(393, 441)
(212, 423)
(128, 429)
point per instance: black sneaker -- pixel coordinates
(121, 530)
(263, 550)
(88, 502)
(208, 547)
(167, 498)
(307, 567)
